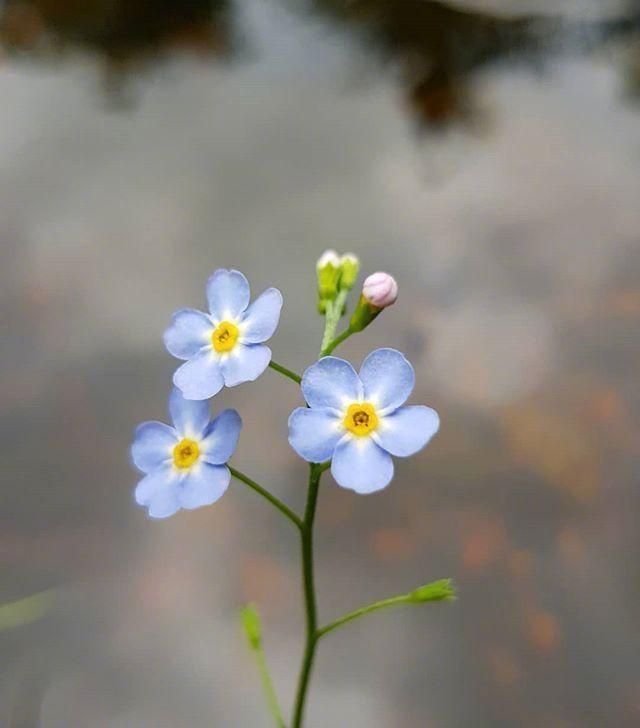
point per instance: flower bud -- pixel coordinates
(380, 290)
(328, 271)
(349, 268)
(251, 624)
(435, 592)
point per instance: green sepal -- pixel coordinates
(434, 592)
(363, 315)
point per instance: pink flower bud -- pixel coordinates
(380, 290)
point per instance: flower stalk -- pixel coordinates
(286, 372)
(441, 590)
(311, 611)
(253, 631)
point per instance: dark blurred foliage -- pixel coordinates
(437, 45)
(122, 30)
(440, 44)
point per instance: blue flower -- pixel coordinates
(225, 346)
(358, 421)
(184, 465)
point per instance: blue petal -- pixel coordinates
(360, 465)
(190, 416)
(200, 377)
(203, 485)
(331, 382)
(262, 316)
(244, 363)
(387, 378)
(190, 330)
(152, 445)
(228, 294)
(159, 492)
(221, 437)
(314, 433)
(407, 430)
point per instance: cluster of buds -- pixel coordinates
(337, 274)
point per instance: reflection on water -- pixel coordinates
(517, 249)
(438, 45)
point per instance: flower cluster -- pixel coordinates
(357, 422)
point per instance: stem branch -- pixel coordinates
(328, 348)
(284, 509)
(382, 604)
(286, 372)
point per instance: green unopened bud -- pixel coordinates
(434, 592)
(349, 268)
(251, 625)
(328, 272)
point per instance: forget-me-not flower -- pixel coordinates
(358, 421)
(184, 465)
(225, 346)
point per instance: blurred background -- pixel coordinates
(487, 154)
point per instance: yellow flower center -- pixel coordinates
(185, 453)
(361, 419)
(225, 336)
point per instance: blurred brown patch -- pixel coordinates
(543, 632)
(504, 667)
(557, 445)
(393, 544)
(267, 582)
(572, 549)
(522, 564)
(483, 542)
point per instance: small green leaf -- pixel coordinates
(434, 592)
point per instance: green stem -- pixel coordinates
(293, 517)
(269, 689)
(287, 372)
(382, 604)
(436, 591)
(315, 473)
(333, 314)
(26, 610)
(337, 340)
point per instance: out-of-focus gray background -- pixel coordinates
(485, 153)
